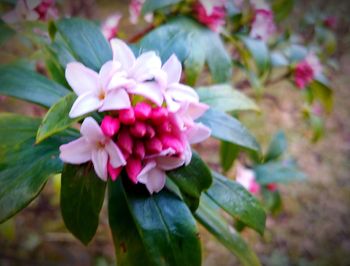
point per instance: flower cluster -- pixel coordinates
(211, 13)
(31, 10)
(306, 70)
(263, 25)
(149, 117)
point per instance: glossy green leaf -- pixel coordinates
(151, 5)
(158, 229)
(227, 128)
(24, 166)
(210, 218)
(272, 200)
(57, 118)
(237, 201)
(282, 8)
(30, 86)
(225, 98)
(278, 172)
(82, 194)
(5, 32)
(86, 41)
(259, 52)
(192, 179)
(277, 147)
(228, 154)
(193, 44)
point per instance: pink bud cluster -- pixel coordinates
(213, 18)
(263, 25)
(46, 9)
(306, 70)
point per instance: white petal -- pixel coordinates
(172, 105)
(116, 100)
(197, 133)
(81, 78)
(144, 174)
(100, 159)
(116, 157)
(156, 180)
(173, 69)
(11, 17)
(182, 93)
(196, 110)
(119, 80)
(85, 103)
(167, 163)
(145, 66)
(149, 90)
(91, 130)
(76, 152)
(122, 53)
(107, 71)
(188, 154)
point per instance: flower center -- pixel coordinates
(102, 95)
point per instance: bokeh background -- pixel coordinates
(314, 225)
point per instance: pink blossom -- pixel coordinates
(306, 70)
(246, 177)
(213, 16)
(263, 26)
(110, 26)
(271, 187)
(330, 22)
(93, 146)
(135, 8)
(31, 10)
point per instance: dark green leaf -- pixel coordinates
(237, 201)
(228, 154)
(30, 86)
(157, 229)
(57, 118)
(278, 172)
(277, 147)
(224, 233)
(151, 5)
(282, 8)
(272, 200)
(5, 32)
(193, 44)
(192, 179)
(24, 166)
(86, 41)
(227, 128)
(82, 194)
(225, 98)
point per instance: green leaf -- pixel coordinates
(225, 98)
(278, 172)
(192, 179)
(86, 41)
(277, 146)
(282, 8)
(157, 229)
(5, 32)
(259, 51)
(227, 128)
(228, 154)
(296, 52)
(30, 86)
(272, 200)
(82, 194)
(57, 118)
(322, 92)
(224, 233)
(24, 166)
(237, 201)
(151, 5)
(193, 44)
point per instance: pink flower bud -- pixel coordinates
(272, 187)
(138, 130)
(142, 111)
(133, 168)
(172, 142)
(150, 132)
(254, 187)
(139, 150)
(165, 127)
(153, 146)
(159, 115)
(110, 126)
(127, 116)
(114, 172)
(125, 142)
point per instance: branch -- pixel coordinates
(140, 34)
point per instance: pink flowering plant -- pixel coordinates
(125, 114)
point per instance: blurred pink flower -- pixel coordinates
(135, 8)
(330, 22)
(93, 146)
(110, 26)
(246, 177)
(263, 25)
(213, 16)
(306, 70)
